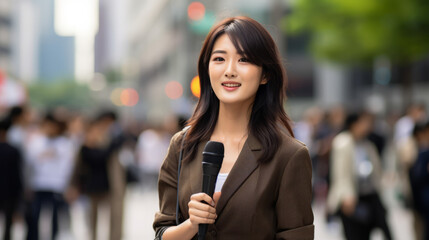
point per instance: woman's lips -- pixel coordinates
(231, 86)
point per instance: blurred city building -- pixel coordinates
(5, 34)
(56, 53)
(111, 38)
(39, 52)
(11, 92)
(164, 43)
(25, 60)
(141, 55)
(161, 50)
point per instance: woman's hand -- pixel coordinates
(348, 206)
(202, 213)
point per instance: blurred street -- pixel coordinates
(141, 206)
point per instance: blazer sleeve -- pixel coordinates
(167, 187)
(293, 207)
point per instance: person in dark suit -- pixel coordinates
(99, 174)
(419, 178)
(10, 179)
(264, 185)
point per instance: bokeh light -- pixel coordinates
(174, 90)
(196, 11)
(98, 83)
(115, 96)
(1, 77)
(129, 97)
(195, 86)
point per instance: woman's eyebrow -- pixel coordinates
(219, 51)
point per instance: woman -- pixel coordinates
(355, 180)
(267, 191)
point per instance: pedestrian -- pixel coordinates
(99, 175)
(152, 145)
(10, 179)
(407, 150)
(419, 179)
(355, 180)
(264, 184)
(18, 132)
(50, 159)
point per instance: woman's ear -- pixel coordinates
(264, 79)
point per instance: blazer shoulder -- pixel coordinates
(291, 150)
(291, 143)
(177, 138)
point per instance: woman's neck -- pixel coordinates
(232, 122)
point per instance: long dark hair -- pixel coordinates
(268, 116)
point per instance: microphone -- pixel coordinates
(212, 161)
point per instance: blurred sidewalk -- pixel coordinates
(141, 206)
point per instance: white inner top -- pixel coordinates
(221, 177)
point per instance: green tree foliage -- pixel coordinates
(66, 93)
(350, 31)
(113, 75)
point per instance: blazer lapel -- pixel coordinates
(196, 170)
(191, 178)
(246, 163)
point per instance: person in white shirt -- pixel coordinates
(151, 148)
(50, 159)
(406, 152)
(404, 126)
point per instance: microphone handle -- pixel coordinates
(210, 172)
(202, 230)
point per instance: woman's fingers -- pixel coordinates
(193, 204)
(200, 212)
(198, 220)
(199, 197)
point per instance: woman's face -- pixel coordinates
(232, 77)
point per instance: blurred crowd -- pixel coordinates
(356, 154)
(52, 160)
(49, 161)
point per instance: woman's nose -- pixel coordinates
(230, 71)
(230, 75)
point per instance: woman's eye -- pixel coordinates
(243, 60)
(217, 59)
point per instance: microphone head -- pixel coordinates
(213, 153)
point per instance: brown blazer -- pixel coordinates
(258, 201)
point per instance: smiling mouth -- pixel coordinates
(231, 84)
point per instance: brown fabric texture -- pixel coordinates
(258, 201)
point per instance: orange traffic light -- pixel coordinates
(195, 86)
